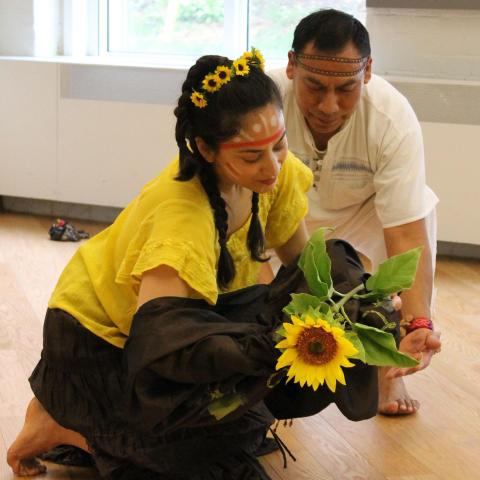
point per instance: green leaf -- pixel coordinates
(380, 348)
(353, 338)
(395, 274)
(279, 333)
(316, 265)
(300, 303)
(225, 405)
(321, 257)
(316, 286)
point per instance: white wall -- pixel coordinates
(28, 129)
(16, 27)
(452, 153)
(434, 44)
(67, 149)
(61, 144)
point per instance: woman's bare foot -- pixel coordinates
(393, 398)
(39, 434)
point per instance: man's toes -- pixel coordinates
(389, 408)
(31, 466)
(401, 406)
(415, 405)
(26, 467)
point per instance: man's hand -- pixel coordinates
(420, 344)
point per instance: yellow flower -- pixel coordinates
(198, 99)
(247, 56)
(315, 352)
(211, 83)
(241, 67)
(258, 58)
(224, 74)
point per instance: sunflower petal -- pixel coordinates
(296, 321)
(286, 358)
(341, 376)
(292, 329)
(331, 379)
(283, 343)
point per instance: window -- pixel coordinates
(186, 29)
(271, 22)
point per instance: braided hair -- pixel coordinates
(217, 122)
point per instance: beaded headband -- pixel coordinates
(363, 61)
(213, 81)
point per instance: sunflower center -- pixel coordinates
(315, 346)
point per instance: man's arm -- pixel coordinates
(421, 343)
(399, 239)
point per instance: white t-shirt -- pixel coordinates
(373, 169)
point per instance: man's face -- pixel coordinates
(327, 99)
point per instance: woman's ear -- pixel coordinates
(206, 152)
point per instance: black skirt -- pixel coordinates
(80, 382)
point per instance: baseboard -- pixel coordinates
(71, 211)
(455, 249)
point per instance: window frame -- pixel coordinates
(236, 40)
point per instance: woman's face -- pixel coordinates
(252, 159)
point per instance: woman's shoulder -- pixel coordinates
(294, 173)
(166, 186)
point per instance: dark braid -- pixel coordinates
(255, 238)
(226, 267)
(220, 121)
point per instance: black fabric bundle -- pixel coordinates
(146, 407)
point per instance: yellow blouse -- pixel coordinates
(170, 223)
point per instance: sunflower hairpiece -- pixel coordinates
(214, 81)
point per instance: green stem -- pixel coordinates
(339, 305)
(344, 313)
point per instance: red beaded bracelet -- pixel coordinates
(419, 322)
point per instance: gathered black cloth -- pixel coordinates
(144, 409)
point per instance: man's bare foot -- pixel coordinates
(39, 434)
(393, 398)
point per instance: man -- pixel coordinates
(364, 144)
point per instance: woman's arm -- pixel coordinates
(162, 281)
(290, 250)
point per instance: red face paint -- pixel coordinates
(257, 143)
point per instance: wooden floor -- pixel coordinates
(442, 441)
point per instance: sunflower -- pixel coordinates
(315, 352)
(247, 56)
(241, 66)
(258, 57)
(223, 74)
(198, 99)
(211, 83)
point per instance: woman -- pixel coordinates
(140, 355)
